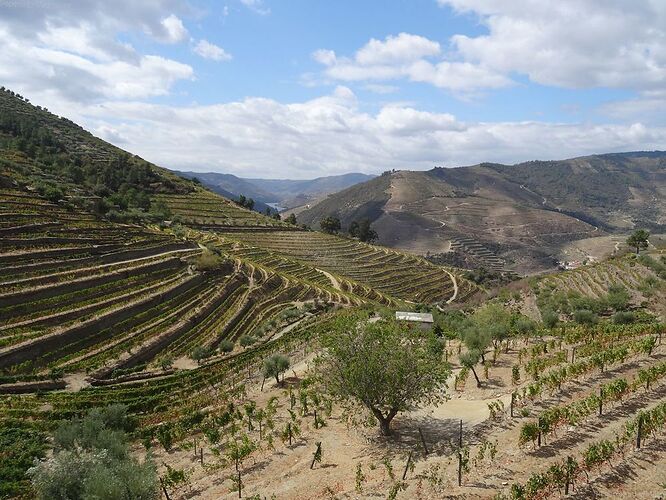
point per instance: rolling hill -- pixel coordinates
(285, 193)
(124, 286)
(508, 217)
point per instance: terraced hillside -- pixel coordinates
(643, 277)
(81, 294)
(519, 217)
(120, 283)
(387, 271)
(202, 209)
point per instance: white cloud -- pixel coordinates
(257, 6)
(72, 54)
(331, 135)
(209, 50)
(648, 106)
(570, 43)
(324, 56)
(407, 56)
(395, 49)
(174, 30)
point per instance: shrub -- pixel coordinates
(226, 346)
(550, 318)
(247, 340)
(618, 297)
(623, 317)
(92, 460)
(200, 353)
(585, 317)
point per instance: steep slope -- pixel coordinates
(516, 217)
(80, 290)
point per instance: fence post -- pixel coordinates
(460, 435)
(460, 442)
(409, 459)
(423, 441)
(513, 399)
(640, 430)
(166, 493)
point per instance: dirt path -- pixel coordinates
(333, 280)
(455, 287)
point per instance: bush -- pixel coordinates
(618, 297)
(623, 317)
(92, 460)
(247, 340)
(72, 474)
(51, 192)
(585, 317)
(226, 346)
(550, 318)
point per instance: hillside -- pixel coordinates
(508, 217)
(285, 193)
(123, 285)
(121, 282)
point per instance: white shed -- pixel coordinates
(424, 319)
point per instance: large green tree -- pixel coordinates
(386, 366)
(330, 225)
(638, 240)
(362, 230)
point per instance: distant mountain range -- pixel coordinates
(284, 193)
(509, 216)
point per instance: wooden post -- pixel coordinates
(240, 486)
(423, 441)
(201, 455)
(166, 493)
(317, 452)
(513, 399)
(460, 467)
(601, 400)
(195, 447)
(640, 430)
(262, 383)
(316, 424)
(460, 435)
(460, 443)
(409, 459)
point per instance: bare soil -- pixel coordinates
(285, 472)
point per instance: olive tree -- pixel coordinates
(469, 360)
(386, 367)
(275, 366)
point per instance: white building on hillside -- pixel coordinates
(425, 320)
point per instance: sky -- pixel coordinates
(307, 88)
